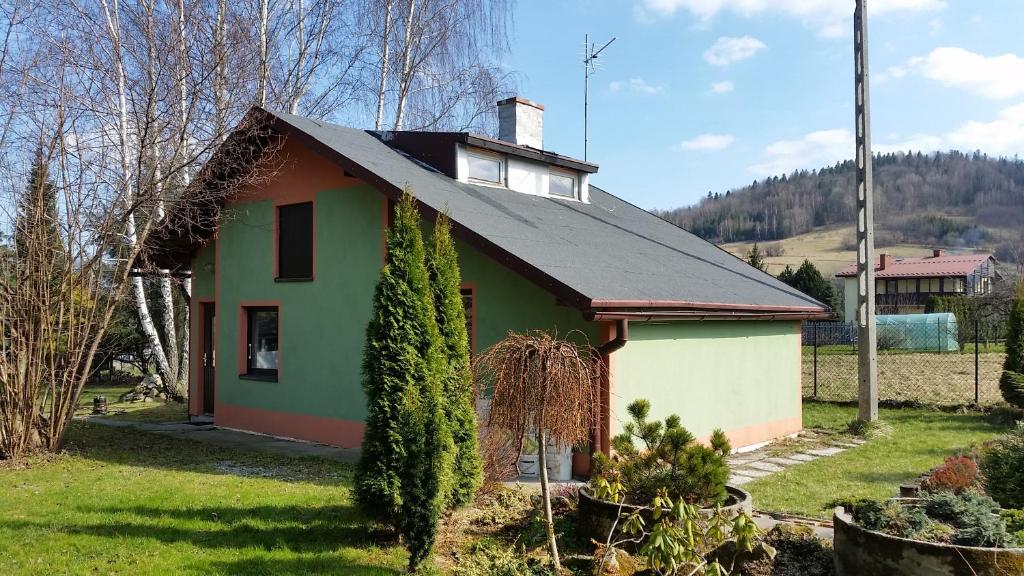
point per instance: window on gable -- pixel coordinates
(486, 168)
(563, 185)
(295, 241)
(261, 341)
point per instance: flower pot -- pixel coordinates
(596, 517)
(862, 552)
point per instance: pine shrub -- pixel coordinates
(668, 457)
(457, 384)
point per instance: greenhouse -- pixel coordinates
(934, 332)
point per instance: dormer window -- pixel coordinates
(563, 184)
(486, 168)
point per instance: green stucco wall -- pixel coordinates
(322, 323)
(728, 375)
(203, 271)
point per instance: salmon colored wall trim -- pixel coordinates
(604, 416)
(197, 342)
(800, 373)
(758, 433)
(243, 332)
(471, 286)
(277, 231)
(344, 433)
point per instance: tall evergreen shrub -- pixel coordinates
(1011, 384)
(402, 474)
(457, 384)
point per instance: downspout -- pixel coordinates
(604, 432)
(621, 337)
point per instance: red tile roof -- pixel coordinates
(933, 266)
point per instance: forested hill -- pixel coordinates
(950, 199)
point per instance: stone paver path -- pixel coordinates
(776, 457)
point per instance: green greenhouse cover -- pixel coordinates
(937, 332)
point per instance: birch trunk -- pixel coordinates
(261, 96)
(385, 46)
(220, 70)
(405, 81)
(301, 34)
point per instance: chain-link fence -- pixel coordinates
(927, 358)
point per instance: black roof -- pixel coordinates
(599, 256)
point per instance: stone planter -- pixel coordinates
(861, 552)
(596, 517)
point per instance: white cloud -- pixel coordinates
(636, 86)
(708, 142)
(890, 73)
(817, 149)
(935, 26)
(722, 87)
(995, 77)
(912, 143)
(1003, 136)
(830, 17)
(728, 50)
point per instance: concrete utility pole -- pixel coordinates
(867, 337)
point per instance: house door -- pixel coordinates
(209, 356)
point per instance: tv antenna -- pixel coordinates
(589, 68)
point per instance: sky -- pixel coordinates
(709, 95)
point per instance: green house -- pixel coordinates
(285, 238)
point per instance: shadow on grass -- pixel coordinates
(130, 447)
(300, 529)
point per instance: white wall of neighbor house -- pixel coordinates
(850, 299)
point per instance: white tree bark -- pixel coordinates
(405, 80)
(221, 69)
(385, 45)
(261, 95)
(301, 59)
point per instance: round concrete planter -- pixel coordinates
(596, 517)
(861, 552)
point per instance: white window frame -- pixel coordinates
(565, 174)
(502, 168)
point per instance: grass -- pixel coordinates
(156, 411)
(929, 377)
(919, 440)
(125, 502)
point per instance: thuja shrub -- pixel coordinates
(1011, 383)
(957, 474)
(652, 456)
(1003, 469)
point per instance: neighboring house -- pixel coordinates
(903, 285)
(284, 272)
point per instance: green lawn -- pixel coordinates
(156, 411)
(126, 502)
(919, 440)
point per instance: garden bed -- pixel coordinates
(596, 517)
(862, 552)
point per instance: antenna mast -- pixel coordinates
(589, 68)
(867, 337)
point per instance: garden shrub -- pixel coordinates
(966, 519)
(1011, 384)
(1014, 520)
(973, 516)
(1003, 469)
(669, 458)
(457, 384)
(494, 559)
(957, 474)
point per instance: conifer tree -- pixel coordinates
(38, 221)
(1011, 384)
(402, 476)
(756, 258)
(457, 385)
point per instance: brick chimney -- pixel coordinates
(938, 253)
(521, 122)
(884, 260)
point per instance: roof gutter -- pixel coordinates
(621, 337)
(642, 316)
